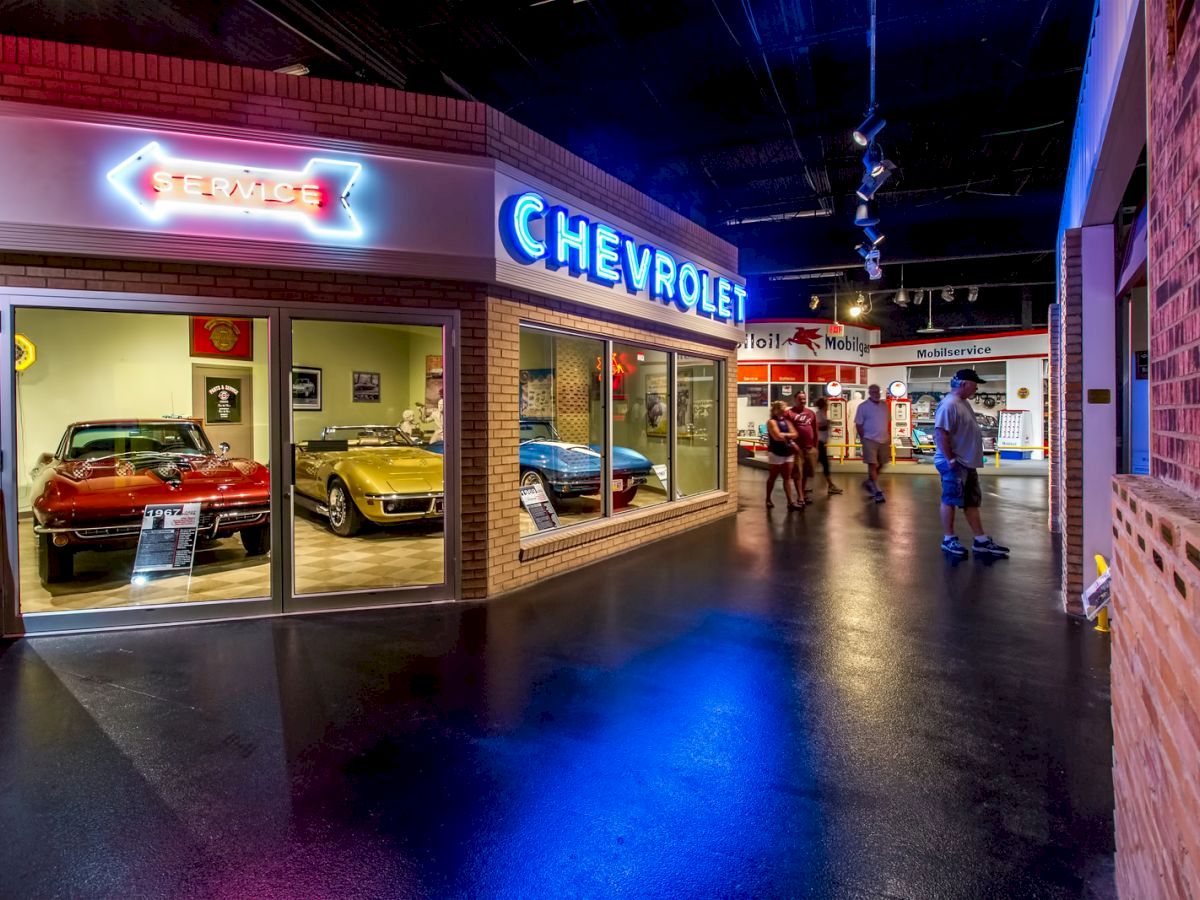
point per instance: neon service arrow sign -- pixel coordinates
(316, 197)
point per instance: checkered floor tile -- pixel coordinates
(377, 558)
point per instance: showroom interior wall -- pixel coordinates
(491, 558)
(148, 367)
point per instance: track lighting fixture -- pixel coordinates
(874, 270)
(864, 214)
(857, 307)
(872, 183)
(865, 133)
(918, 298)
(814, 301)
(972, 294)
(874, 237)
(948, 294)
(902, 294)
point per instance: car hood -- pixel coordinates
(401, 470)
(570, 457)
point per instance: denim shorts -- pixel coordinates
(960, 486)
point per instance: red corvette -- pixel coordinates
(91, 493)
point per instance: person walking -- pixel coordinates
(822, 409)
(873, 425)
(804, 421)
(781, 445)
(958, 457)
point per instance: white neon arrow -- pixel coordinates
(317, 196)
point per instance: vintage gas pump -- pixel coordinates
(900, 410)
(836, 411)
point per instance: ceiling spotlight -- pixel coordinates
(814, 301)
(864, 214)
(875, 237)
(901, 298)
(872, 183)
(948, 294)
(918, 298)
(873, 160)
(866, 251)
(856, 308)
(972, 294)
(874, 270)
(871, 126)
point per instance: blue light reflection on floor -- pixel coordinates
(663, 777)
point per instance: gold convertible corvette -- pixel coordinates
(375, 473)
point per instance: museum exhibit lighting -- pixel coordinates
(872, 183)
(972, 294)
(918, 298)
(948, 294)
(901, 298)
(874, 270)
(865, 133)
(864, 214)
(814, 301)
(873, 236)
(856, 308)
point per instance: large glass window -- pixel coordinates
(659, 401)
(561, 427)
(698, 425)
(142, 444)
(641, 426)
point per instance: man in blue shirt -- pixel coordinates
(958, 457)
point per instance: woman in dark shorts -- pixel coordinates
(781, 446)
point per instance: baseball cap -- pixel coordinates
(969, 375)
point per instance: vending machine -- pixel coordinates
(838, 432)
(900, 410)
(1015, 430)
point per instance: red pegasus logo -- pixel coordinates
(805, 337)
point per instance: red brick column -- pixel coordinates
(1068, 426)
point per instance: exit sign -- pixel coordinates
(835, 328)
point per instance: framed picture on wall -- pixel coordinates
(306, 388)
(366, 387)
(223, 337)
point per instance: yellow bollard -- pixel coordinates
(1102, 616)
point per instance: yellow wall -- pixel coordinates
(98, 365)
(339, 349)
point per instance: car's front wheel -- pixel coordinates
(55, 564)
(531, 477)
(256, 540)
(344, 518)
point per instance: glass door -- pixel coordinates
(370, 485)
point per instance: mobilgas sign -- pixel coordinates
(791, 343)
(974, 350)
(534, 231)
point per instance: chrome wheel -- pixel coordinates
(337, 506)
(530, 478)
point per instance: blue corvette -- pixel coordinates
(567, 470)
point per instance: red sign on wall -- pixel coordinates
(223, 337)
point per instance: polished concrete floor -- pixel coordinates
(805, 704)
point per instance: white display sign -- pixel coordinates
(539, 507)
(661, 472)
(806, 341)
(167, 541)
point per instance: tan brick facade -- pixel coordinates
(1156, 688)
(1067, 449)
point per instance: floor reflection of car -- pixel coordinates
(90, 494)
(360, 473)
(568, 470)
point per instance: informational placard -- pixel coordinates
(661, 472)
(539, 507)
(167, 542)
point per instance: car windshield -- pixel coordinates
(129, 438)
(537, 430)
(369, 435)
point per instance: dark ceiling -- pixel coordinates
(726, 110)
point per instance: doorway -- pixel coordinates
(223, 401)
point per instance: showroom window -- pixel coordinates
(142, 443)
(661, 441)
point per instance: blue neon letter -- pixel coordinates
(706, 301)
(515, 215)
(663, 287)
(723, 309)
(636, 266)
(689, 286)
(567, 236)
(739, 294)
(601, 271)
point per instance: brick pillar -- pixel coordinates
(1068, 425)
(1054, 437)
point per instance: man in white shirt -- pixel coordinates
(872, 423)
(958, 457)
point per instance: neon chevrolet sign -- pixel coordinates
(315, 197)
(609, 258)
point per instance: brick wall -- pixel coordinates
(1174, 252)
(1054, 404)
(513, 562)
(1070, 454)
(145, 84)
(1156, 689)
(1156, 520)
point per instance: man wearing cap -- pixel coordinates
(958, 457)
